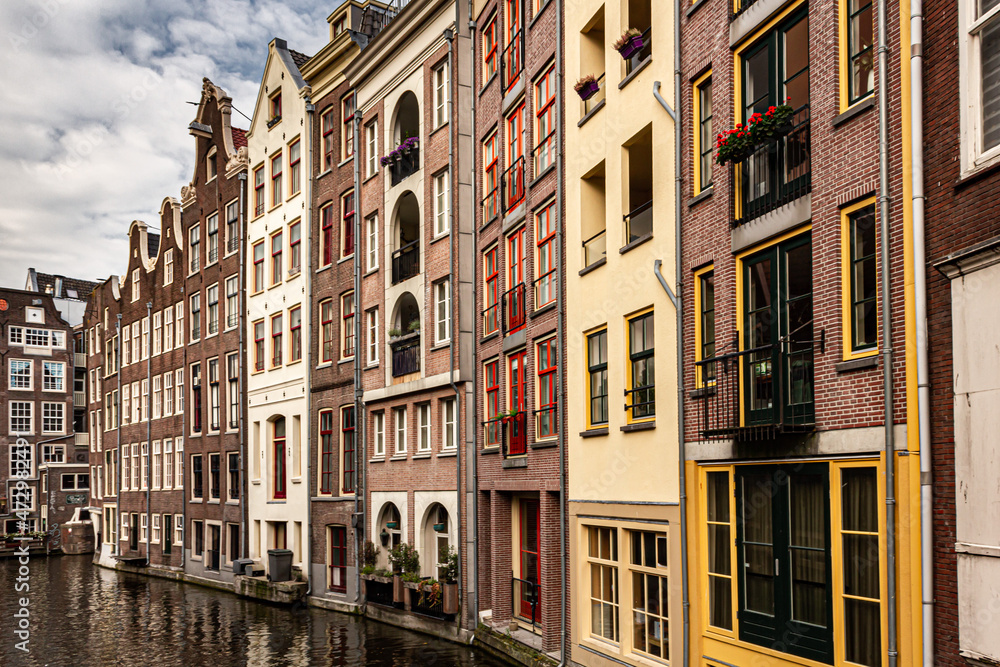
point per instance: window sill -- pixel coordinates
(857, 109)
(441, 346)
(599, 263)
(540, 11)
(447, 455)
(323, 268)
(296, 480)
(702, 392)
(345, 361)
(369, 177)
(274, 208)
(345, 259)
(635, 244)
(488, 82)
(377, 459)
(590, 114)
(347, 159)
(372, 271)
(639, 426)
(545, 444)
(255, 482)
(371, 367)
(423, 455)
(233, 502)
(543, 173)
(857, 364)
(635, 73)
(398, 457)
(544, 309)
(696, 6)
(700, 197)
(214, 502)
(977, 172)
(438, 129)
(488, 223)
(594, 432)
(440, 237)
(489, 337)
(330, 171)
(492, 449)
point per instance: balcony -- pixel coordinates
(513, 434)
(738, 7)
(81, 440)
(776, 174)
(406, 262)
(512, 62)
(195, 263)
(639, 223)
(232, 245)
(79, 399)
(513, 306)
(80, 359)
(405, 355)
(491, 202)
(512, 183)
(407, 165)
(759, 393)
(232, 319)
(595, 248)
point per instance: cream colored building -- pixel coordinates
(277, 335)
(625, 541)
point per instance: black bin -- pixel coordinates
(243, 566)
(279, 564)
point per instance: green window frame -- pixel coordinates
(642, 389)
(863, 279)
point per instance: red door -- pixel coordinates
(529, 560)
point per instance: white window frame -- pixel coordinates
(371, 144)
(442, 203)
(168, 267)
(442, 321)
(61, 377)
(424, 428)
(371, 237)
(399, 428)
(371, 341)
(449, 426)
(154, 537)
(31, 375)
(179, 324)
(157, 397)
(168, 394)
(378, 427)
(178, 463)
(157, 333)
(442, 93)
(157, 466)
(30, 417)
(168, 464)
(135, 285)
(974, 157)
(62, 418)
(168, 328)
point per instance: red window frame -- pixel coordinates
(326, 456)
(491, 322)
(279, 460)
(326, 329)
(517, 382)
(276, 194)
(348, 349)
(347, 117)
(490, 49)
(347, 207)
(295, 247)
(338, 558)
(348, 434)
(545, 233)
(294, 166)
(258, 266)
(295, 334)
(491, 373)
(512, 26)
(530, 536)
(275, 107)
(258, 345)
(515, 259)
(545, 105)
(326, 237)
(490, 181)
(258, 191)
(326, 121)
(277, 332)
(546, 360)
(276, 263)
(514, 191)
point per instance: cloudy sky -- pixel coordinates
(93, 105)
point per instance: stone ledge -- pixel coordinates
(507, 648)
(259, 588)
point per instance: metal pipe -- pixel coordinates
(149, 425)
(241, 321)
(560, 262)
(304, 442)
(118, 429)
(359, 404)
(920, 303)
(886, 303)
(184, 477)
(475, 374)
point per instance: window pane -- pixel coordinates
(758, 544)
(758, 85)
(720, 593)
(863, 632)
(807, 548)
(796, 74)
(991, 84)
(860, 500)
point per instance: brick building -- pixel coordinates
(519, 305)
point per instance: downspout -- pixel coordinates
(304, 442)
(886, 303)
(118, 428)
(359, 403)
(678, 302)
(471, 24)
(560, 261)
(920, 299)
(149, 426)
(184, 477)
(241, 321)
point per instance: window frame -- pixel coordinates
(294, 167)
(326, 337)
(294, 334)
(699, 279)
(326, 130)
(546, 402)
(372, 338)
(634, 358)
(277, 193)
(347, 109)
(371, 223)
(442, 320)
(348, 449)
(259, 204)
(441, 93)
(399, 428)
(326, 452)
(545, 256)
(698, 133)
(975, 155)
(326, 234)
(490, 50)
(258, 266)
(491, 290)
(295, 248)
(592, 369)
(348, 208)
(348, 311)
(849, 217)
(277, 336)
(259, 351)
(371, 146)
(545, 116)
(277, 240)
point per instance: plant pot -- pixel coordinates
(589, 90)
(631, 47)
(449, 598)
(398, 590)
(392, 525)
(439, 527)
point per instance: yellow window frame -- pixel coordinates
(847, 317)
(843, 56)
(696, 128)
(629, 419)
(704, 576)
(698, 275)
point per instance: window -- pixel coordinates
(861, 280)
(338, 559)
(720, 575)
(703, 137)
(704, 332)
(347, 118)
(195, 324)
(277, 329)
(378, 428)
(157, 397)
(491, 174)
(179, 529)
(347, 202)
(326, 122)
(547, 392)
(179, 390)
(168, 464)
(212, 226)
(196, 397)
(642, 374)
(650, 594)
(326, 236)
(143, 527)
(276, 173)
(197, 479)
(168, 267)
(178, 462)
(545, 284)
(157, 465)
(258, 191)
(490, 49)
(232, 301)
(294, 167)
(491, 292)
(75, 481)
(347, 313)
(258, 266)
(424, 427)
(372, 336)
(597, 371)
(21, 459)
(347, 442)
(135, 285)
(326, 330)
(512, 55)
(442, 310)
(168, 394)
(145, 338)
(156, 528)
(212, 297)
(179, 322)
(126, 468)
(157, 333)
(52, 417)
(16, 335)
(295, 334)
(53, 454)
(441, 94)
(232, 227)
(514, 306)
(278, 440)
(194, 247)
(860, 51)
(399, 414)
(449, 427)
(274, 108)
(442, 203)
(276, 261)
(53, 375)
(214, 407)
(198, 529)
(233, 375)
(327, 453)
(372, 225)
(294, 248)
(517, 385)
(514, 176)
(979, 62)
(491, 377)
(214, 476)
(258, 345)
(234, 477)
(602, 561)
(545, 121)
(371, 141)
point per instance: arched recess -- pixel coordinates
(390, 532)
(436, 535)
(406, 123)
(406, 315)
(406, 238)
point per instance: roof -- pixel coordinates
(152, 245)
(298, 58)
(239, 138)
(46, 283)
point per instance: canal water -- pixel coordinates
(85, 616)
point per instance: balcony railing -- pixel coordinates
(213, 255)
(512, 62)
(491, 204)
(513, 308)
(545, 289)
(591, 103)
(195, 263)
(595, 248)
(231, 320)
(491, 319)
(79, 399)
(80, 359)
(81, 439)
(513, 185)
(776, 174)
(758, 393)
(258, 208)
(639, 56)
(547, 422)
(406, 356)
(738, 7)
(527, 592)
(514, 440)
(408, 164)
(543, 155)
(232, 245)
(406, 262)
(639, 222)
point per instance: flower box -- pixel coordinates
(630, 43)
(587, 87)
(375, 577)
(741, 142)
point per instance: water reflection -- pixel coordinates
(83, 616)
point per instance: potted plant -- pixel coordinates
(449, 589)
(369, 559)
(740, 142)
(408, 145)
(414, 326)
(587, 87)
(394, 332)
(509, 416)
(630, 43)
(404, 560)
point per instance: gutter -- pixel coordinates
(118, 429)
(560, 262)
(304, 443)
(241, 321)
(149, 426)
(475, 375)
(360, 444)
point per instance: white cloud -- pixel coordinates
(95, 114)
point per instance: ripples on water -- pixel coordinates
(83, 616)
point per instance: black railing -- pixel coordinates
(512, 183)
(213, 255)
(406, 262)
(195, 263)
(512, 62)
(547, 422)
(545, 289)
(406, 356)
(491, 204)
(408, 163)
(378, 592)
(232, 245)
(231, 320)
(758, 393)
(522, 590)
(258, 208)
(639, 222)
(776, 174)
(737, 7)
(595, 248)
(493, 431)
(639, 56)
(513, 308)
(641, 401)
(515, 434)
(491, 319)
(591, 103)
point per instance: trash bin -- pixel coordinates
(279, 564)
(243, 566)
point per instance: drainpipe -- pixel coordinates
(241, 321)
(886, 303)
(118, 428)
(360, 444)
(920, 299)
(184, 477)
(471, 24)
(149, 426)
(306, 273)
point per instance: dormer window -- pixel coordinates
(275, 110)
(211, 165)
(339, 25)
